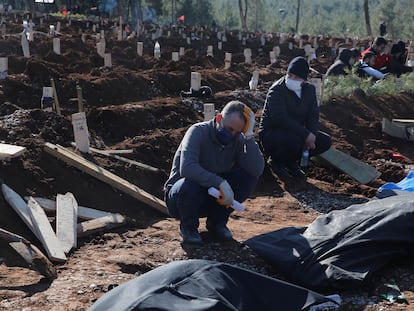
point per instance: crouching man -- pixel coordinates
(220, 153)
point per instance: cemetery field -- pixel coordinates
(133, 103)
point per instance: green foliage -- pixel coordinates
(344, 86)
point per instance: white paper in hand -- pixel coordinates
(235, 205)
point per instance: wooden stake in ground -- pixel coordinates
(80, 98)
(30, 253)
(55, 98)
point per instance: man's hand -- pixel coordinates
(310, 142)
(249, 118)
(226, 194)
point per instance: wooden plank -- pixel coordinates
(403, 130)
(83, 212)
(66, 221)
(99, 224)
(355, 168)
(10, 151)
(30, 253)
(109, 151)
(104, 175)
(133, 162)
(47, 236)
(115, 151)
(20, 207)
(403, 120)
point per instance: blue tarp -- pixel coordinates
(407, 184)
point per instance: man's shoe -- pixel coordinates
(221, 233)
(278, 169)
(295, 170)
(190, 236)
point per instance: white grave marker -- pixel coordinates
(272, 56)
(80, 130)
(174, 56)
(195, 81)
(181, 51)
(255, 80)
(210, 50)
(4, 66)
(46, 102)
(157, 50)
(227, 61)
(209, 112)
(58, 26)
(25, 46)
(317, 82)
(220, 45)
(247, 56)
(100, 49)
(140, 48)
(108, 60)
(276, 49)
(56, 46)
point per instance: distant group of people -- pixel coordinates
(372, 62)
(222, 153)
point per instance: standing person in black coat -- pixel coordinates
(289, 122)
(383, 29)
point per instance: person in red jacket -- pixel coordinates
(382, 60)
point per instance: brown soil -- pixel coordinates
(135, 105)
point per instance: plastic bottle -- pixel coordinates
(304, 160)
(157, 50)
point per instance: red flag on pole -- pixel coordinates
(181, 18)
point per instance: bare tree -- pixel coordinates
(297, 17)
(367, 19)
(121, 9)
(32, 8)
(243, 14)
(136, 12)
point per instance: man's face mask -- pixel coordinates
(224, 136)
(293, 85)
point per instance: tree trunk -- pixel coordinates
(297, 17)
(32, 8)
(367, 19)
(121, 9)
(243, 14)
(136, 15)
